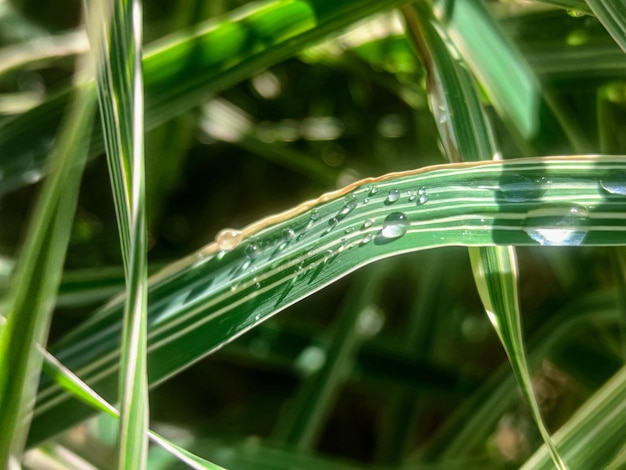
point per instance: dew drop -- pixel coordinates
(518, 188)
(395, 225)
(412, 195)
(615, 183)
(315, 215)
(371, 190)
(288, 235)
(349, 230)
(575, 13)
(368, 223)
(393, 196)
(228, 238)
(350, 201)
(423, 199)
(557, 226)
(252, 251)
(257, 317)
(310, 360)
(366, 239)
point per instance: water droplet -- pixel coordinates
(315, 215)
(412, 195)
(366, 239)
(615, 183)
(252, 250)
(257, 317)
(423, 199)
(288, 235)
(332, 222)
(257, 284)
(518, 188)
(32, 176)
(395, 225)
(350, 201)
(366, 200)
(393, 196)
(349, 230)
(371, 190)
(228, 239)
(557, 226)
(368, 223)
(575, 13)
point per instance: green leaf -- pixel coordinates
(37, 274)
(190, 66)
(466, 134)
(495, 271)
(612, 15)
(206, 300)
(595, 435)
(120, 92)
(70, 382)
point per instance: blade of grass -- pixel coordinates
(466, 134)
(206, 300)
(533, 114)
(37, 275)
(120, 92)
(183, 70)
(595, 434)
(79, 389)
(612, 15)
(495, 271)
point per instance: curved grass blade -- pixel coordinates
(120, 92)
(612, 15)
(495, 271)
(457, 108)
(37, 275)
(185, 69)
(208, 299)
(595, 435)
(467, 430)
(533, 115)
(79, 389)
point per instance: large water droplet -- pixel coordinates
(350, 201)
(395, 225)
(615, 183)
(288, 234)
(518, 188)
(228, 238)
(557, 226)
(252, 250)
(393, 196)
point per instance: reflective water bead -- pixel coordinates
(288, 234)
(368, 223)
(557, 226)
(252, 250)
(228, 238)
(518, 188)
(350, 201)
(393, 196)
(615, 183)
(395, 225)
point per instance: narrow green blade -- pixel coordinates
(205, 301)
(612, 15)
(120, 91)
(37, 275)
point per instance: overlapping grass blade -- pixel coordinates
(595, 435)
(120, 92)
(37, 275)
(533, 115)
(466, 134)
(183, 70)
(70, 382)
(612, 15)
(202, 302)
